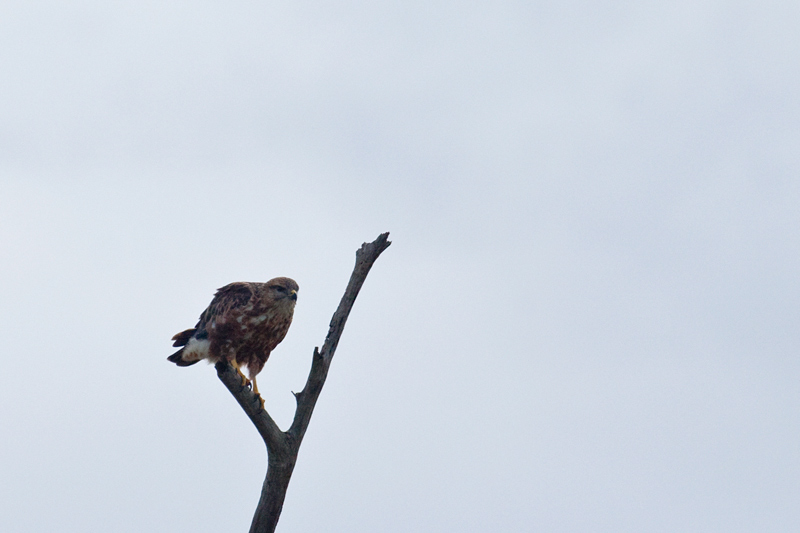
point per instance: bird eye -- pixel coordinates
(278, 288)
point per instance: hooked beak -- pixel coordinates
(293, 295)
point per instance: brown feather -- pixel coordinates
(183, 337)
(244, 323)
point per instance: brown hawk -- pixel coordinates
(242, 325)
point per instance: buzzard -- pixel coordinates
(243, 323)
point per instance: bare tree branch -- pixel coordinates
(282, 447)
(251, 403)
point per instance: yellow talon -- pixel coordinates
(235, 365)
(255, 390)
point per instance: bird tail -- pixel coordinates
(183, 337)
(177, 358)
(180, 340)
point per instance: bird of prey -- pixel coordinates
(243, 323)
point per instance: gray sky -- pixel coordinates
(588, 320)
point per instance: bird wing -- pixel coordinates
(227, 298)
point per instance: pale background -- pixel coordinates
(588, 320)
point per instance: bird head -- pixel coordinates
(283, 288)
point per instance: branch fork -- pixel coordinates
(283, 446)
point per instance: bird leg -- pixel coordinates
(235, 365)
(255, 390)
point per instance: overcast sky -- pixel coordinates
(588, 320)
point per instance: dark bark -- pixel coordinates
(282, 447)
